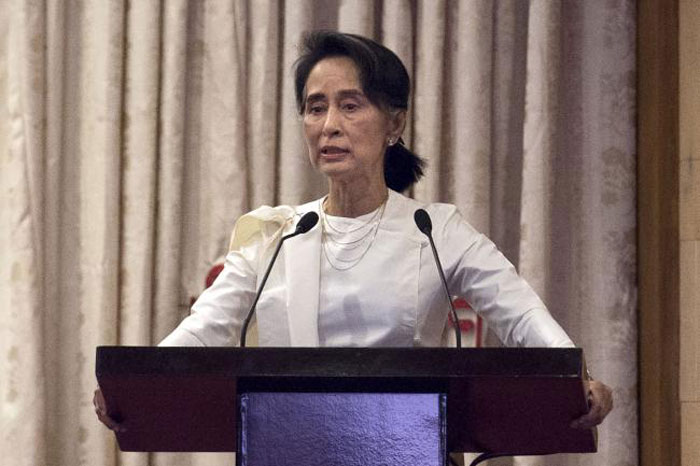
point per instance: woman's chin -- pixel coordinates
(334, 167)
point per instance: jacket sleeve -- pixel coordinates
(492, 286)
(218, 314)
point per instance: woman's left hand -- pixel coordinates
(600, 403)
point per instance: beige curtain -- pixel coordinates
(134, 133)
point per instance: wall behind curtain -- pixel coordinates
(134, 133)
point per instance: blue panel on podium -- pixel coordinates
(348, 429)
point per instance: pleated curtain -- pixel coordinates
(134, 133)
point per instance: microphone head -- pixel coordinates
(423, 222)
(307, 222)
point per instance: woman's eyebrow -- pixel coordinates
(350, 93)
(315, 97)
(343, 93)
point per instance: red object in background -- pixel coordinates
(213, 273)
(211, 276)
(466, 325)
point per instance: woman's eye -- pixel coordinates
(315, 109)
(350, 106)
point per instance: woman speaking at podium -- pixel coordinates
(364, 275)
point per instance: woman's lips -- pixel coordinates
(333, 153)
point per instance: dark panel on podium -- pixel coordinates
(517, 401)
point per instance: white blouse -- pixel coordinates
(355, 311)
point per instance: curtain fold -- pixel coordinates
(539, 142)
(54, 395)
(171, 164)
(133, 134)
(509, 61)
(263, 107)
(24, 419)
(98, 169)
(428, 78)
(357, 17)
(468, 94)
(139, 162)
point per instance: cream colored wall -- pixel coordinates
(689, 166)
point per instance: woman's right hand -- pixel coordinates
(98, 400)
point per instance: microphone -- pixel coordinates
(425, 225)
(423, 222)
(306, 223)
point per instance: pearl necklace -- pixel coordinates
(345, 248)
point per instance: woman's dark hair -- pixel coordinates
(384, 81)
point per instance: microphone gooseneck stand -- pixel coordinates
(425, 225)
(306, 223)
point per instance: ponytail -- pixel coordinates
(402, 168)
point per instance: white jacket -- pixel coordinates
(287, 312)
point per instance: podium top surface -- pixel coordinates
(504, 400)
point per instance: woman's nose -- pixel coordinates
(332, 125)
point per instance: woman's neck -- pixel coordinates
(352, 200)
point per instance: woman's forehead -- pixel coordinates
(336, 74)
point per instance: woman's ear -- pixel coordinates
(397, 123)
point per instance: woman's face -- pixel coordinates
(346, 133)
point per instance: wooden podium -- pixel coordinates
(500, 401)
